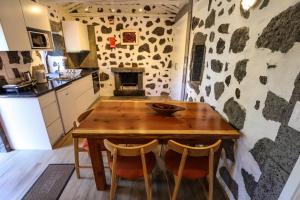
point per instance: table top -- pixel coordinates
(137, 119)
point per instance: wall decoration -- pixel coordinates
(111, 20)
(112, 42)
(129, 37)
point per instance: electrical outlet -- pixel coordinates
(295, 118)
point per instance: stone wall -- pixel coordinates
(252, 78)
(153, 51)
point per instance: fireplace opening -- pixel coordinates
(129, 81)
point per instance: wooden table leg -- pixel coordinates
(97, 162)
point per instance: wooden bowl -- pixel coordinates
(165, 109)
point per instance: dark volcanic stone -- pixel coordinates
(216, 65)
(165, 86)
(221, 12)
(144, 48)
(245, 14)
(263, 80)
(202, 99)
(152, 40)
(170, 31)
(235, 112)
(264, 4)
(169, 23)
(190, 99)
(237, 93)
(257, 105)
(140, 57)
(142, 37)
(282, 31)
(220, 46)
(124, 19)
(231, 9)
(227, 80)
(195, 22)
(249, 181)
(228, 146)
(104, 76)
(271, 66)
(239, 39)
(168, 49)
(55, 26)
(210, 50)
(13, 57)
(159, 31)
(212, 36)
(147, 8)
(127, 55)
(195, 87)
(106, 30)
(271, 181)
(275, 107)
(229, 181)
(226, 67)
(201, 23)
(121, 65)
(162, 41)
(112, 55)
(156, 57)
(119, 27)
(1, 63)
(154, 67)
(99, 39)
(149, 24)
(223, 28)
(208, 90)
(151, 86)
(209, 4)
(170, 64)
(240, 70)
(26, 57)
(219, 89)
(210, 20)
(261, 150)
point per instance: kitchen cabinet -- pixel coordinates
(76, 36)
(15, 17)
(35, 15)
(32, 123)
(66, 102)
(14, 36)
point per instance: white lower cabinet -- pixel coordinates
(66, 103)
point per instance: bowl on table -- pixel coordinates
(165, 109)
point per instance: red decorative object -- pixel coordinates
(112, 42)
(129, 37)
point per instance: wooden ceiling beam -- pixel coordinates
(97, 14)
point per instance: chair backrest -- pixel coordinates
(193, 151)
(130, 151)
(82, 117)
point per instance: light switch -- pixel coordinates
(295, 118)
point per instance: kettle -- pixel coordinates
(40, 76)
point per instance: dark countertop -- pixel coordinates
(44, 88)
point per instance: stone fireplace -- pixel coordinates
(128, 81)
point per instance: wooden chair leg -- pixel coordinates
(211, 176)
(76, 157)
(113, 185)
(150, 185)
(180, 171)
(176, 188)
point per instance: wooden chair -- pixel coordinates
(131, 163)
(84, 147)
(191, 163)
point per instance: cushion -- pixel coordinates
(131, 167)
(85, 145)
(195, 167)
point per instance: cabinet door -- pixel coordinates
(76, 36)
(35, 15)
(14, 28)
(66, 105)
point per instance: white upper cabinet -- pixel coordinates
(76, 36)
(15, 17)
(14, 36)
(35, 15)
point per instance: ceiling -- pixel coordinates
(118, 7)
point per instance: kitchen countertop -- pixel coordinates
(44, 88)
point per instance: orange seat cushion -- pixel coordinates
(131, 167)
(85, 145)
(195, 167)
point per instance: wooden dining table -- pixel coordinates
(135, 122)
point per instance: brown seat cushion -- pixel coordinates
(131, 167)
(195, 167)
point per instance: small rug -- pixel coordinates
(51, 182)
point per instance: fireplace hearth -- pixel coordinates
(128, 81)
